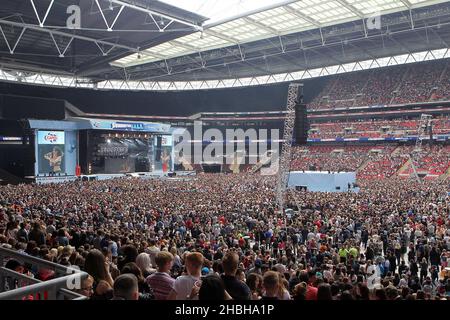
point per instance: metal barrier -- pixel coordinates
(18, 286)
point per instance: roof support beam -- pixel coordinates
(348, 6)
(221, 36)
(406, 3)
(157, 24)
(42, 22)
(64, 34)
(411, 18)
(11, 50)
(262, 26)
(302, 16)
(105, 53)
(183, 45)
(440, 38)
(110, 27)
(249, 13)
(72, 81)
(149, 11)
(62, 53)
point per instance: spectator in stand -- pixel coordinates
(152, 251)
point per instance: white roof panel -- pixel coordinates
(375, 6)
(323, 11)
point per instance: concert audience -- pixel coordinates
(388, 241)
(419, 82)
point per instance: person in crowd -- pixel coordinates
(254, 282)
(87, 287)
(145, 291)
(161, 282)
(36, 234)
(126, 287)
(311, 291)
(324, 292)
(237, 289)
(186, 287)
(271, 285)
(212, 289)
(227, 225)
(144, 263)
(97, 266)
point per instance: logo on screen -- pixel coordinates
(51, 137)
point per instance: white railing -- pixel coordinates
(18, 286)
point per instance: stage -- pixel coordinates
(323, 181)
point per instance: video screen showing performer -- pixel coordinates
(165, 160)
(51, 152)
(163, 153)
(55, 158)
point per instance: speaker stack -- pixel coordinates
(301, 123)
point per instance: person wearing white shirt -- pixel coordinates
(186, 287)
(418, 233)
(403, 282)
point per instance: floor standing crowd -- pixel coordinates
(219, 237)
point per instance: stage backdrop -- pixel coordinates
(119, 153)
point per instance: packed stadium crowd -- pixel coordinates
(418, 83)
(434, 160)
(375, 128)
(422, 82)
(329, 158)
(373, 161)
(219, 237)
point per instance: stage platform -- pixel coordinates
(100, 177)
(323, 181)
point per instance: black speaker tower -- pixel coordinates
(301, 122)
(158, 150)
(430, 130)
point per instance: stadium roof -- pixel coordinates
(153, 45)
(37, 35)
(276, 20)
